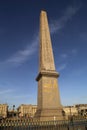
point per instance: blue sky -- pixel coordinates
(19, 41)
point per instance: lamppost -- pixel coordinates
(13, 110)
(13, 107)
(70, 111)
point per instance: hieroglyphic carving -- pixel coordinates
(46, 53)
(49, 86)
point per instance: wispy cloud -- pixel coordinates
(58, 24)
(22, 55)
(21, 96)
(74, 51)
(62, 67)
(25, 54)
(6, 91)
(66, 57)
(83, 36)
(70, 53)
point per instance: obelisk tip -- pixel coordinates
(43, 11)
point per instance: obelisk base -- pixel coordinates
(49, 114)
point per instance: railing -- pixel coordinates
(27, 124)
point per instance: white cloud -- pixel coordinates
(83, 37)
(6, 91)
(20, 96)
(64, 56)
(74, 51)
(56, 25)
(62, 67)
(22, 55)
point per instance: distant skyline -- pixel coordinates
(19, 49)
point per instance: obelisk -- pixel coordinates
(49, 105)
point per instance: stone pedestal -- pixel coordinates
(49, 114)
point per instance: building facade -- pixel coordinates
(82, 109)
(70, 110)
(26, 110)
(3, 110)
(75, 110)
